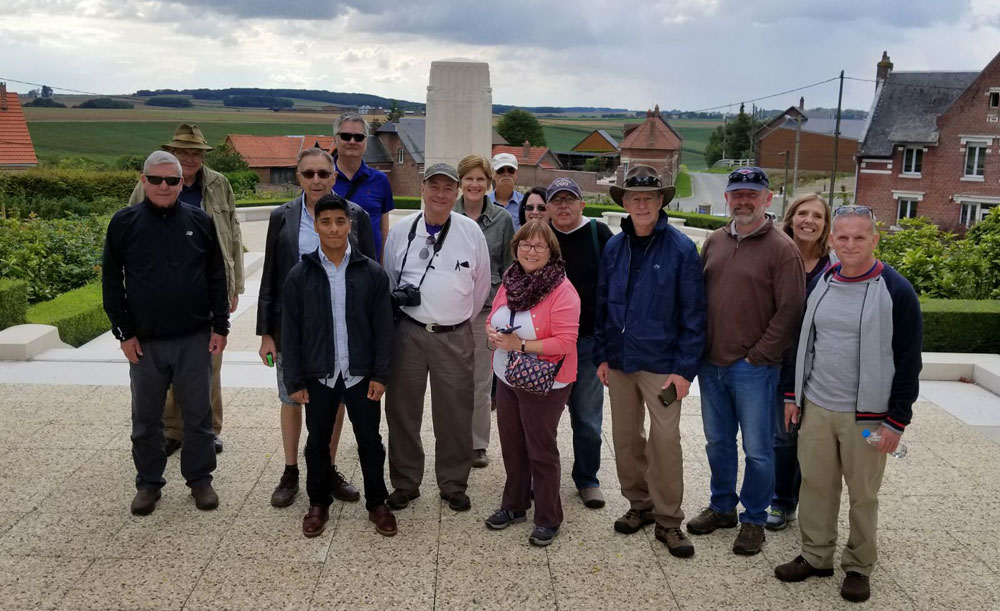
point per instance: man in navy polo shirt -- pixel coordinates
(356, 180)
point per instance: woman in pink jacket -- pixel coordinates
(536, 314)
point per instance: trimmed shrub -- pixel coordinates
(961, 325)
(62, 208)
(79, 314)
(169, 101)
(243, 182)
(702, 221)
(77, 184)
(13, 302)
(406, 203)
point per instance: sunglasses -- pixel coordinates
(857, 210)
(309, 174)
(643, 181)
(346, 137)
(753, 176)
(171, 181)
(538, 207)
(505, 170)
(426, 250)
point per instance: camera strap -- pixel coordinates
(438, 243)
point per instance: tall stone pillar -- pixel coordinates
(459, 111)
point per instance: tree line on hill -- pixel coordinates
(316, 95)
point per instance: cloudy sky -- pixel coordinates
(688, 54)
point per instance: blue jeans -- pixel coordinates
(740, 397)
(586, 410)
(787, 477)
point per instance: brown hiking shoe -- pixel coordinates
(799, 570)
(633, 520)
(205, 497)
(145, 501)
(709, 520)
(677, 542)
(856, 587)
(288, 487)
(749, 539)
(344, 490)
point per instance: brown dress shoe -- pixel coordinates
(342, 489)
(855, 587)
(385, 522)
(799, 569)
(145, 501)
(314, 521)
(205, 497)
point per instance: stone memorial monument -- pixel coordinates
(459, 111)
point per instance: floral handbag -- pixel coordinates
(529, 373)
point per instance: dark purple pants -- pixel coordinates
(527, 426)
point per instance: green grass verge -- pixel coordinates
(961, 325)
(683, 184)
(79, 314)
(13, 302)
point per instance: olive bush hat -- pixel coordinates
(188, 136)
(642, 178)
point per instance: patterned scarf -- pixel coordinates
(525, 291)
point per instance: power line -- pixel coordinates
(766, 97)
(11, 80)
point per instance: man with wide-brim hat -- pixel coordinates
(209, 190)
(650, 335)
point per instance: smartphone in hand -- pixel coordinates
(668, 395)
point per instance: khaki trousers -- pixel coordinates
(173, 424)
(651, 471)
(832, 449)
(447, 358)
(483, 380)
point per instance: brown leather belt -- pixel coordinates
(431, 327)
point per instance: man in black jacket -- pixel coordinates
(166, 296)
(336, 342)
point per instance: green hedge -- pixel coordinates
(243, 182)
(702, 221)
(13, 302)
(961, 325)
(79, 314)
(79, 184)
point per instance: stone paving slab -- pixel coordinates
(67, 540)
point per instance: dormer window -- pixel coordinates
(913, 158)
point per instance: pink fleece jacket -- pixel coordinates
(557, 321)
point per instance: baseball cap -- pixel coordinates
(752, 178)
(562, 184)
(504, 160)
(442, 169)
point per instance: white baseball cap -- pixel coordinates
(502, 160)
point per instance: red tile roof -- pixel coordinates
(535, 154)
(275, 151)
(653, 133)
(16, 149)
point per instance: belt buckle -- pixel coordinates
(430, 327)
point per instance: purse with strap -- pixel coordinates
(529, 373)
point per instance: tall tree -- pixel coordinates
(46, 92)
(519, 125)
(736, 136)
(395, 112)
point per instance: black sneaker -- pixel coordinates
(749, 539)
(217, 444)
(288, 487)
(855, 587)
(457, 501)
(399, 499)
(171, 445)
(502, 518)
(542, 535)
(709, 520)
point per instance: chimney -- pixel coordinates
(802, 104)
(3, 97)
(527, 150)
(883, 69)
(656, 110)
(649, 114)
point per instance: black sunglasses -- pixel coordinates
(643, 181)
(505, 170)
(172, 181)
(346, 137)
(753, 176)
(308, 174)
(425, 251)
(858, 210)
(538, 207)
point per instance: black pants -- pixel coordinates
(321, 412)
(186, 363)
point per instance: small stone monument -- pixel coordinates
(459, 111)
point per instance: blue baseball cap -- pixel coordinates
(562, 184)
(751, 177)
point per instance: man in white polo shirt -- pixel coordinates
(439, 268)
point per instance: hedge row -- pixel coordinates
(79, 314)
(702, 221)
(13, 302)
(79, 184)
(961, 325)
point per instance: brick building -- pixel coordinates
(274, 158)
(930, 146)
(654, 143)
(16, 150)
(776, 140)
(404, 144)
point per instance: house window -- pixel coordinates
(399, 156)
(913, 158)
(994, 99)
(973, 212)
(975, 158)
(906, 209)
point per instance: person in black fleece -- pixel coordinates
(165, 293)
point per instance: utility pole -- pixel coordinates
(784, 188)
(795, 172)
(836, 140)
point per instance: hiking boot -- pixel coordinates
(677, 542)
(205, 497)
(288, 487)
(145, 501)
(633, 520)
(799, 570)
(778, 519)
(342, 489)
(171, 445)
(592, 497)
(457, 501)
(502, 518)
(542, 535)
(749, 539)
(479, 459)
(399, 499)
(709, 520)
(856, 587)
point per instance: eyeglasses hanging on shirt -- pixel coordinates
(432, 246)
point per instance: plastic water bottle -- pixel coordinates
(873, 438)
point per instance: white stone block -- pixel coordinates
(459, 111)
(24, 342)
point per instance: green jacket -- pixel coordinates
(219, 202)
(498, 227)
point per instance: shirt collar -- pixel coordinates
(325, 261)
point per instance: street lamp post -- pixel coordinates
(784, 187)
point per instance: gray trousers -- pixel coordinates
(448, 358)
(482, 415)
(186, 363)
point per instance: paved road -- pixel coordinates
(706, 189)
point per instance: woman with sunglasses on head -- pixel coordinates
(533, 324)
(532, 207)
(290, 235)
(807, 222)
(474, 177)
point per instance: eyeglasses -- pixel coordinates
(643, 181)
(564, 200)
(426, 250)
(309, 174)
(538, 207)
(346, 137)
(525, 247)
(505, 170)
(171, 181)
(857, 210)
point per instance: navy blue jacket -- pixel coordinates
(660, 326)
